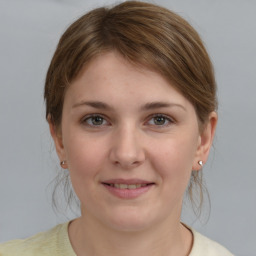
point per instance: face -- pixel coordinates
(130, 141)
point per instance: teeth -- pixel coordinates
(126, 186)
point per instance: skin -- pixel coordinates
(125, 140)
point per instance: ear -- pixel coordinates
(205, 140)
(57, 138)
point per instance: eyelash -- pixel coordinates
(166, 118)
(86, 118)
(90, 117)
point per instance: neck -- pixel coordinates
(92, 238)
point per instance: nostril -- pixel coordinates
(127, 164)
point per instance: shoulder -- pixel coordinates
(203, 246)
(52, 242)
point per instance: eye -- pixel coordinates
(160, 120)
(95, 120)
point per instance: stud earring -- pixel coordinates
(200, 163)
(62, 163)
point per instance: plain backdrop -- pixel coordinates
(29, 32)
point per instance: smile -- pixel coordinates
(127, 189)
(126, 186)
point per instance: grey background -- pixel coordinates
(29, 31)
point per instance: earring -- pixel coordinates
(62, 163)
(200, 163)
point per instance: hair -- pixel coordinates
(146, 35)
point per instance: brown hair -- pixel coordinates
(144, 34)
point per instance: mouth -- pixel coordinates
(127, 186)
(127, 189)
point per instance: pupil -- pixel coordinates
(97, 120)
(159, 120)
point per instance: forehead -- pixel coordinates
(110, 74)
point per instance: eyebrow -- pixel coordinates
(94, 104)
(155, 105)
(147, 106)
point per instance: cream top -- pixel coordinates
(55, 242)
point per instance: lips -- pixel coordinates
(126, 186)
(127, 189)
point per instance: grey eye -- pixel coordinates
(160, 120)
(95, 120)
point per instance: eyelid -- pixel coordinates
(170, 120)
(86, 117)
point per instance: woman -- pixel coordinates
(131, 105)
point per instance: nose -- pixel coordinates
(127, 151)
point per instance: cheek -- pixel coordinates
(85, 159)
(84, 152)
(173, 161)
